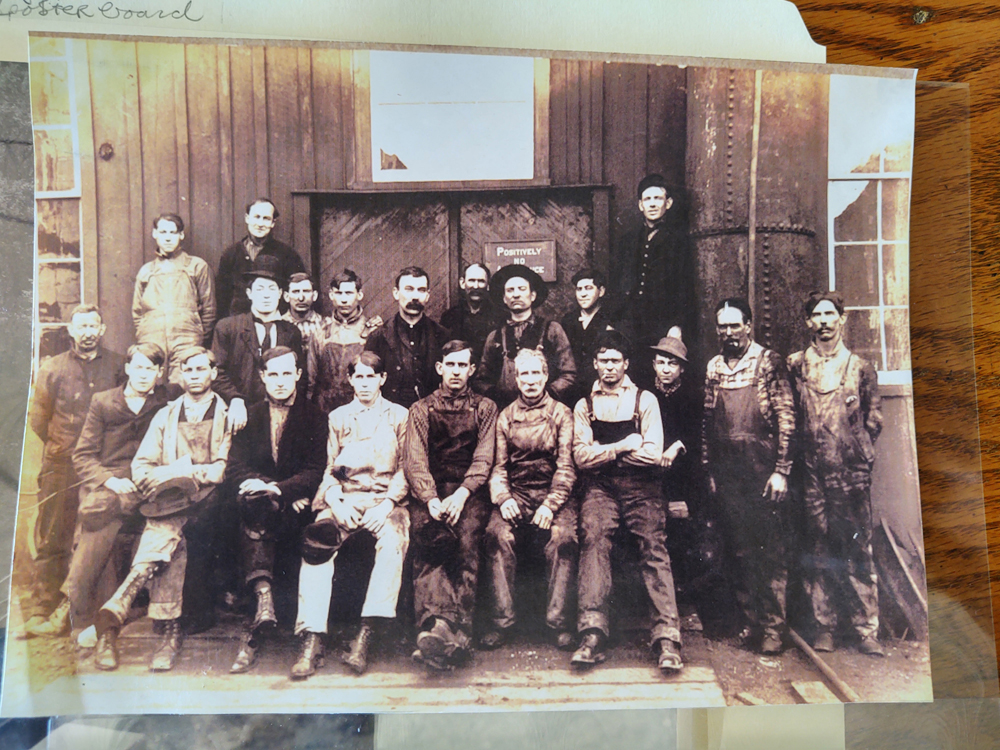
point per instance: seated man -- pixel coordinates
(276, 464)
(618, 448)
(178, 467)
(450, 441)
(363, 490)
(531, 488)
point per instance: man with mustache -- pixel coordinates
(301, 295)
(840, 418)
(747, 429)
(475, 316)
(409, 344)
(63, 389)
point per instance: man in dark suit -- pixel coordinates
(276, 464)
(261, 218)
(583, 324)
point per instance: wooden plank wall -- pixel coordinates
(201, 129)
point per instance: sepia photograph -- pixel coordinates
(396, 379)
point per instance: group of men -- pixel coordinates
(494, 436)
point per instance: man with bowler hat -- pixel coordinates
(520, 290)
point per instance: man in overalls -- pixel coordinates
(840, 417)
(534, 510)
(174, 301)
(748, 426)
(450, 443)
(178, 467)
(618, 447)
(363, 491)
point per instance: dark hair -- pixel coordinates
(477, 265)
(740, 304)
(815, 298)
(177, 221)
(414, 271)
(612, 340)
(594, 274)
(368, 359)
(193, 351)
(266, 200)
(298, 278)
(273, 353)
(150, 351)
(453, 346)
(652, 180)
(347, 276)
(85, 309)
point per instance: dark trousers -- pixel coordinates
(637, 502)
(446, 562)
(206, 563)
(506, 542)
(262, 535)
(94, 568)
(54, 527)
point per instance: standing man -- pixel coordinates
(584, 324)
(450, 442)
(178, 467)
(173, 305)
(839, 413)
(618, 447)
(261, 218)
(363, 490)
(519, 289)
(533, 509)
(338, 343)
(474, 317)
(301, 296)
(410, 343)
(276, 464)
(63, 389)
(748, 426)
(653, 274)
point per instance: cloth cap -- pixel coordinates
(673, 346)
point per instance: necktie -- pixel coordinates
(266, 334)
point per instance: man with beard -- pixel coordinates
(363, 491)
(474, 317)
(276, 464)
(520, 290)
(533, 510)
(840, 418)
(338, 343)
(748, 426)
(584, 324)
(653, 275)
(63, 389)
(301, 296)
(450, 441)
(178, 467)
(618, 447)
(261, 218)
(409, 344)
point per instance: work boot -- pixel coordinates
(564, 640)
(590, 651)
(311, 656)
(824, 642)
(265, 615)
(34, 622)
(170, 645)
(439, 642)
(246, 657)
(493, 639)
(57, 624)
(106, 651)
(669, 659)
(115, 610)
(771, 644)
(357, 657)
(870, 646)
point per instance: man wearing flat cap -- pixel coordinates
(363, 491)
(177, 468)
(520, 290)
(276, 464)
(839, 418)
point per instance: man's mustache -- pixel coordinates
(415, 306)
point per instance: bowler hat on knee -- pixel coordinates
(320, 540)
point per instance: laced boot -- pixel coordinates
(106, 651)
(265, 616)
(57, 624)
(311, 656)
(115, 610)
(357, 657)
(170, 645)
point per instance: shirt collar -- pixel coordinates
(748, 359)
(623, 386)
(837, 352)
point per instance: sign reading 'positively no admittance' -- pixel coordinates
(538, 255)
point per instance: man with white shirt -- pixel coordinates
(618, 449)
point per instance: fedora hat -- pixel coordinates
(320, 540)
(266, 266)
(516, 271)
(170, 498)
(673, 346)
